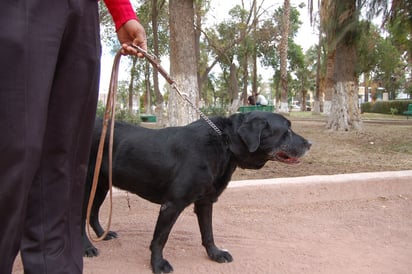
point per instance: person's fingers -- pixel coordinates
(129, 50)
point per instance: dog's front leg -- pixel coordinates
(203, 210)
(167, 218)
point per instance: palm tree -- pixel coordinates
(345, 112)
(283, 52)
(339, 22)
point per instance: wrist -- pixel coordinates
(121, 11)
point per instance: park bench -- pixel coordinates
(244, 109)
(409, 111)
(148, 118)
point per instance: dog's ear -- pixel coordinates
(250, 132)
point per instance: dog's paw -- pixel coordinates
(220, 255)
(162, 266)
(91, 251)
(111, 235)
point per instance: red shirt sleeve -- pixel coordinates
(121, 11)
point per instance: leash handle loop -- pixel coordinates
(109, 115)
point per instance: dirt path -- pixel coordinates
(266, 235)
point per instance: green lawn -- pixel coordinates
(365, 116)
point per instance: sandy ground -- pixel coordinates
(354, 223)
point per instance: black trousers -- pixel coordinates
(49, 71)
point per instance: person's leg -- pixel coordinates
(52, 237)
(24, 91)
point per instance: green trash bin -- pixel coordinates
(148, 118)
(244, 109)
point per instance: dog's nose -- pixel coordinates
(308, 144)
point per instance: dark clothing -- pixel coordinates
(251, 100)
(49, 70)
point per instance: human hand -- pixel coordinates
(132, 32)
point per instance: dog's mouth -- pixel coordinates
(285, 158)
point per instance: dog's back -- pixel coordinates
(148, 161)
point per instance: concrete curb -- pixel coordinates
(320, 188)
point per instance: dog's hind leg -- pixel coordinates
(203, 210)
(169, 212)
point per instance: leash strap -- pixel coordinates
(109, 115)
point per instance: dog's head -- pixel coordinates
(263, 136)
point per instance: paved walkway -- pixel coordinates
(320, 188)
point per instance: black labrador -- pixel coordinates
(178, 166)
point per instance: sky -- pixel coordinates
(306, 36)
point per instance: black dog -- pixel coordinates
(178, 166)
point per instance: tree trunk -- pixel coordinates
(283, 46)
(147, 97)
(245, 77)
(183, 66)
(345, 113)
(198, 17)
(316, 103)
(330, 81)
(366, 85)
(254, 54)
(131, 84)
(304, 94)
(233, 89)
(158, 95)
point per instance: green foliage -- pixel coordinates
(381, 58)
(394, 111)
(100, 109)
(386, 107)
(296, 57)
(396, 16)
(126, 116)
(388, 58)
(121, 114)
(144, 12)
(220, 96)
(367, 50)
(270, 32)
(214, 111)
(108, 32)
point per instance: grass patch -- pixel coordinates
(305, 114)
(380, 116)
(402, 147)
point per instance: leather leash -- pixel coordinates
(109, 114)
